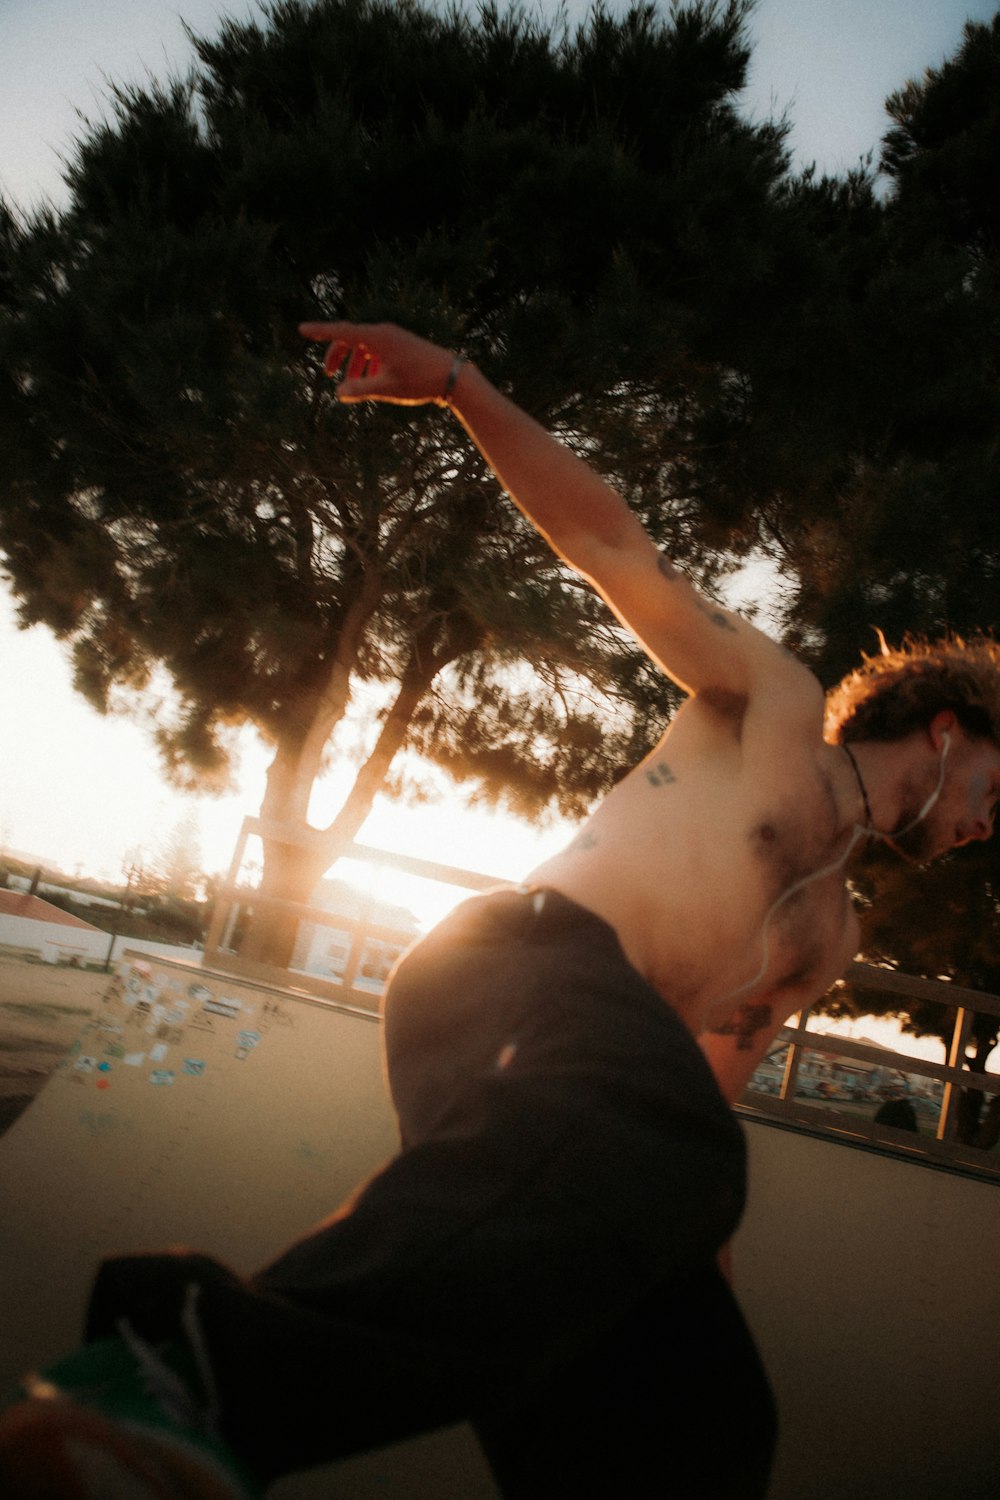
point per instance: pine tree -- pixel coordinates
(182, 492)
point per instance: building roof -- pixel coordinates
(20, 904)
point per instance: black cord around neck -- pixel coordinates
(861, 785)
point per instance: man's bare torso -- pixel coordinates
(719, 860)
(704, 859)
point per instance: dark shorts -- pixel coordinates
(540, 1257)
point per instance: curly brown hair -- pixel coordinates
(901, 689)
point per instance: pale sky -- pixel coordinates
(78, 790)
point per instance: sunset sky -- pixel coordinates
(79, 791)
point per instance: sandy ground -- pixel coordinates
(43, 1009)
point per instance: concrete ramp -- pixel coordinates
(195, 1110)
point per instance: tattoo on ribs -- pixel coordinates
(744, 1025)
(660, 775)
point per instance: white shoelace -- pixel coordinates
(163, 1384)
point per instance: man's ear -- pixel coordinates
(941, 729)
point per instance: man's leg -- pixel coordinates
(673, 1403)
(470, 1265)
(586, 1156)
(673, 1398)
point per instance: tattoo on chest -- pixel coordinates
(744, 1025)
(660, 775)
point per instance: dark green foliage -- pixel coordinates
(917, 545)
(943, 149)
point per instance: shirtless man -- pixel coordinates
(540, 1259)
(719, 860)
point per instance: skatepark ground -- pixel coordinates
(168, 1105)
(163, 1105)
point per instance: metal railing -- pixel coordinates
(840, 1086)
(369, 942)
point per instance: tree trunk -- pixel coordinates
(292, 871)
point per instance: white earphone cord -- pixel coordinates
(831, 869)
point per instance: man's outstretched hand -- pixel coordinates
(381, 362)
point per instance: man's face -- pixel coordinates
(956, 801)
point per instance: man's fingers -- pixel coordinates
(343, 343)
(358, 363)
(339, 341)
(358, 380)
(367, 357)
(335, 356)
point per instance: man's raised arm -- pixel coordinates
(695, 642)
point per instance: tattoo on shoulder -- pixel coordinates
(660, 775)
(667, 568)
(744, 1025)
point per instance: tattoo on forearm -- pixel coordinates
(744, 1025)
(717, 616)
(660, 775)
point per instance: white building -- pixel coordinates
(33, 926)
(328, 950)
